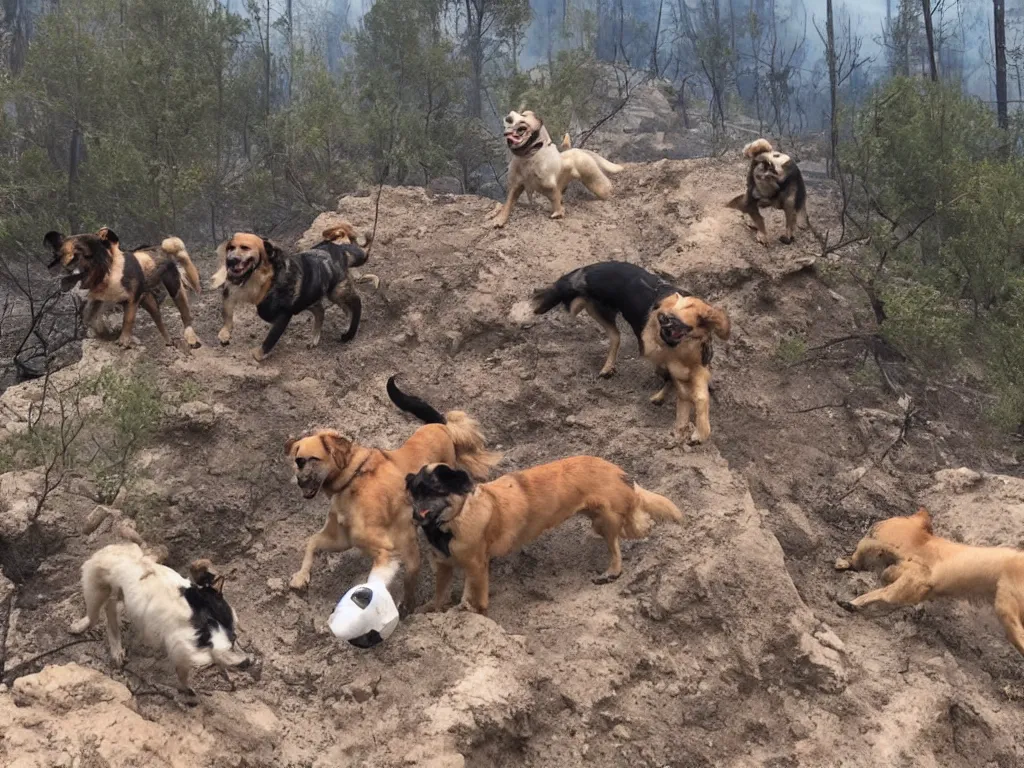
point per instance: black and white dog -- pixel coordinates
(188, 618)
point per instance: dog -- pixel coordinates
(133, 279)
(467, 525)
(369, 509)
(188, 618)
(920, 566)
(673, 330)
(253, 270)
(538, 166)
(773, 181)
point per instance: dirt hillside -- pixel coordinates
(721, 645)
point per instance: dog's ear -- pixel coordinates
(716, 319)
(202, 574)
(454, 480)
(739, 202)
(338, 448)
(409, 480)
(289, 444)
(53, 240)
(221, 275)
(275, 254)
(926, 519)
(108, 236)
(566, 142)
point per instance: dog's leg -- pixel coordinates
(659, 397)
(911, 586)
(444, 572)
(318, 324)
(114, 633)
(514, 191)
(183, 669)
(180, 298)
(607, 524)
(96, 595)
(759, 225)
(277, 329)
(227, 313)
(787, 238)
(475, 594)
(1008, 609)
(130, 310)
(557, 211)
(354, 305)
(149, 304)
(411, 561)
(869, 552)
(91, 316)
(702, 404)
(605, 319)
(802, 219)
(331, 538)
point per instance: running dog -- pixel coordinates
(253, 270)
(673, 330)
(369, 509)
(920, 566)
(188, 618)
(773, 181)
(538, 166)
(467, 525)
(133, 279)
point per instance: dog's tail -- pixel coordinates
(175, 248)
(471, 453)
(559, 292)
(606, 165)
(566, 142)
(418, 407)
(649, 507)
(755, 148)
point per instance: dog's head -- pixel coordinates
(521, 129)
(437, 493)
(683, 318)
(214, 620)
(241, 255)
(319, 458)
(905, 532)
(82, 257)
(345, 234)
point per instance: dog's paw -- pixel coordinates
(257, 354)
(124, 343)
(499, 223)
(694, 438)
(80, 626)
(224, 337)
(370, 279)
(846, 605)
(191, 339)
(606, 578)
(842, 564)
(313, 343)
(117, 657)
(785, 239)
(607, 372)
(299, 581)
(658, 398)
(762, 239)
(558, 215)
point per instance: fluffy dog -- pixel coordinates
(188, 618)
(369, 509)
(538, 166)
(468, 525)
(773, 181)
(253, 270)
(673, 329)
(920, 566)
(133, 279)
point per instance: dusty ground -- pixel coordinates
(720, 646)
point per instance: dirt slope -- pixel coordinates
(720, 646)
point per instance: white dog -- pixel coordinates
(188, 618)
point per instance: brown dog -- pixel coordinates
(677, 340)
(467, 525)
(369, 509)
(921, 566)
(773, 181)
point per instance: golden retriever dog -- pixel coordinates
(538, 166)
(920, 566)
(467, 525)
(773, 181)
(369, 509)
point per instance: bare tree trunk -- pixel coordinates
(291, 50)
(999, 7)
(833, 88)
(74, 162)
(657, 35)
(926, 7)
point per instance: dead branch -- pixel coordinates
(14, 672)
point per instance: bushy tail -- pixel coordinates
(559, 292)
(418, 407)
(606, 165)
(471, 453)
(175, 248)
(649, 506)
(757, 147)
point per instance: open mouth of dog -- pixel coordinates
(672, 329)
(239, 270)
(517, 137)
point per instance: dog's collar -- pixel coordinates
(353, 476)
(532, 146)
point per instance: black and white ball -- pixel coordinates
(365, 616)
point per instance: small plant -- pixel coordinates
(791, 349)
(190, 391)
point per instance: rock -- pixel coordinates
(64, 688)
(18, 498)
(522, 314)
(621, 732)
(958, 480)
(794, 530)
(197, 415)
(444, 185)
(830, 639)
(819, 665)
(362, 689)
(99, 515)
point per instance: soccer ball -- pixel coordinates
(365, 616)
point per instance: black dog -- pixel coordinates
(607, 290)
(256, 271)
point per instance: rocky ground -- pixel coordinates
(721, 645)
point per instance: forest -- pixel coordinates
(200, 117)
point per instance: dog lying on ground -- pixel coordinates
(467, 525)
(920, 566)
(773, 181)
(538, 166)
(253, 270)
(673, 329)
(133, 279)
(188, 618)
(369, 509)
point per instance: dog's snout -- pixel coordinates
(245, 663)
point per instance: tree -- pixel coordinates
(487, 23)
(926, 8)
(999, 23)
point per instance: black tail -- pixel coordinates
(559, 292)
(347, 254)
(418, 407)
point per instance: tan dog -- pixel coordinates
(538, 166)
(369, 509)
(468, 525)
(921, 566)
(773, 181)
(677, 340)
